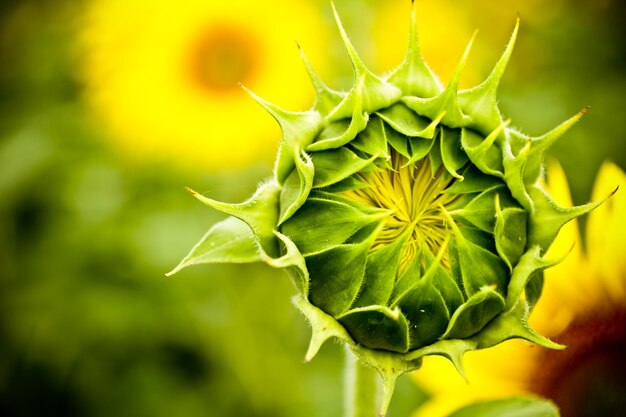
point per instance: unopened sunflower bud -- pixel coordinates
(410, 216)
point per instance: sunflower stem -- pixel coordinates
(362, 388)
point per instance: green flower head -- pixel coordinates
(410, 216)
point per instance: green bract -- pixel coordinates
(410, 216)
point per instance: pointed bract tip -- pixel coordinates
(310, 354)
(547, 263)
(467, 50)
(461, 371)
(389, 383)
(498, 130)
(456, 76)
(583, 111)
(357, 65)
(413, 27)
(337, 19)
(256, 97)
(181, 265)
(176, 269)
(191, 191)
(457, 361)
(440, 116)
(491, 82)
(251, 93)
(491, 138)
(472, 39)
(450, 222)
(498, 207)
(442, 249)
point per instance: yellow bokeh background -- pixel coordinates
(139, 59)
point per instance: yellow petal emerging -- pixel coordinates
(606, 233)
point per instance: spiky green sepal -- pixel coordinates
(410, 216)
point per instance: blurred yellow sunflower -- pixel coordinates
(583, 306)
(164, 77)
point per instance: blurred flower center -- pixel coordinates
(414, 195)
(589, 378)
(222, 58)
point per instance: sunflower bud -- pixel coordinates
(410, 216)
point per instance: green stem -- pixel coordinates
(362, 388)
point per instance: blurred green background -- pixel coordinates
(93, 212)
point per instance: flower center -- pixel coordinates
(589, 378)
(415, 196)
(222, 58)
